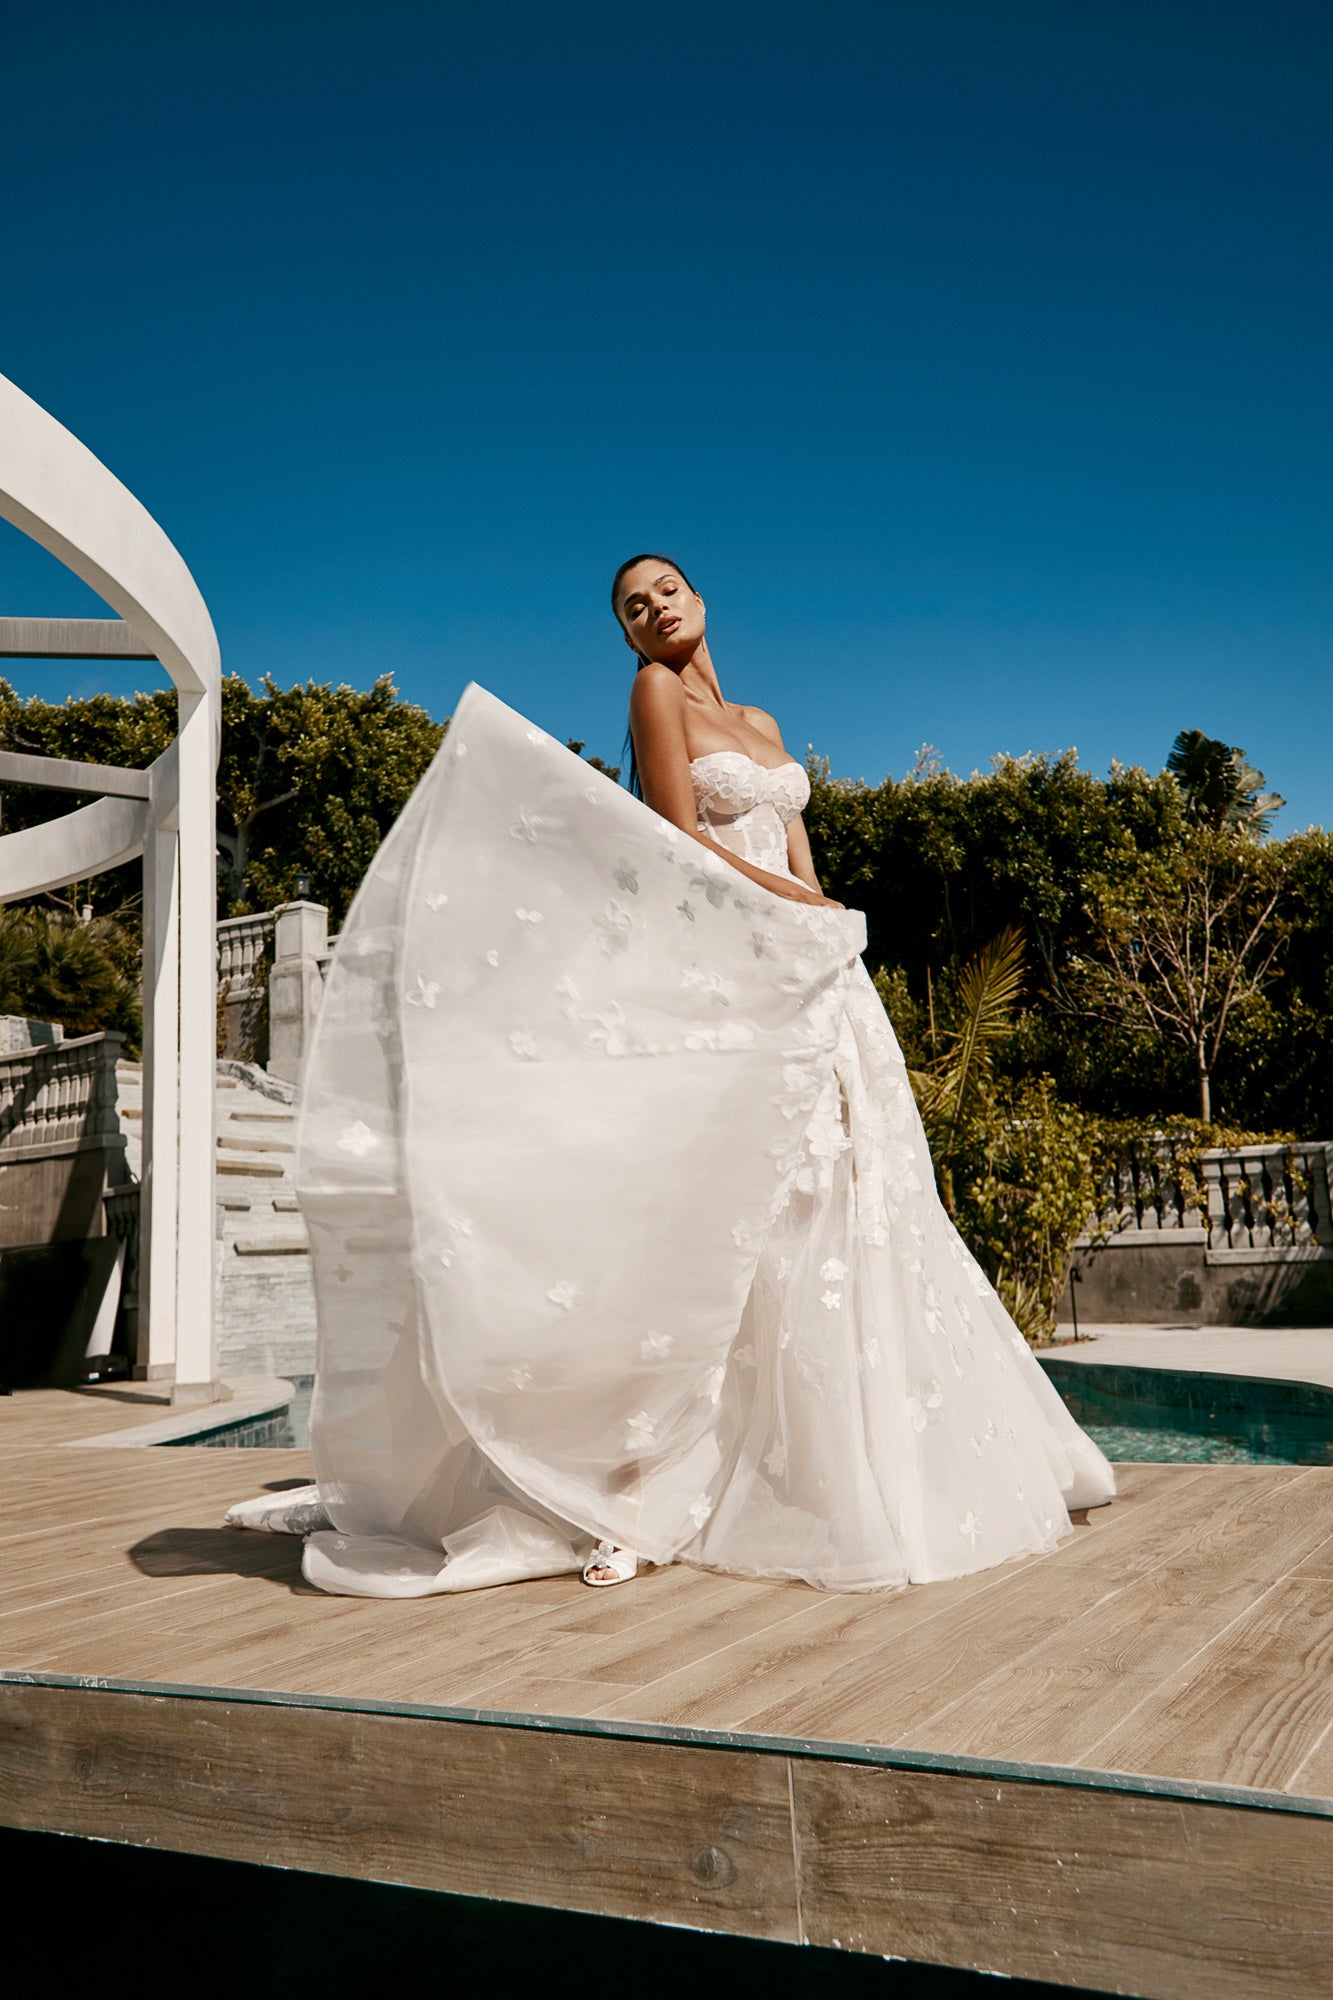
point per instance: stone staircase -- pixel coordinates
(266, 1304)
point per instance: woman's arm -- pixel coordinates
(657, 724)
(799, 858)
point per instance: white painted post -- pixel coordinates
(156, 1357)
(195, 1367)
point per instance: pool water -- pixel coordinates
(1144, 1413)
(1188, 1417)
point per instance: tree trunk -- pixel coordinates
(1205, 1096)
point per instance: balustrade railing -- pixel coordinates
(1271, 1197)
(242, 943)
(58, 1094)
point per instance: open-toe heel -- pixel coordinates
(606, 1555)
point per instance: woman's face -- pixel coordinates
(663, 618)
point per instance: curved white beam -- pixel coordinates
(71, 848)
(53, 488)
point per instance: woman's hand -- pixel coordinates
(801, 892)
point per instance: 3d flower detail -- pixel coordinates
(975, 1443)
(567, 990)
(831, 1301)
(921, 1409)
(424, 993)
(437, 902)
(563, 1294)
(461, 1224)
(446, 1258)
(491, 957)
(358, 1140)
(627, 878)
(711, 985)
(607, 1031)
(342, 1274)
(523, 1043)
(655, 1346)
(713, 1382)
(726, 1035)
(711, 886)
(700, 1510)
(971, 1527)
(460, 751)
(519, 1377)
(834, 1268)
(529, 917)
(639, 1432)
(776, 1461)
(873, 1356)
(613, 929)
(686, 910)
(744, 1357)
(528, 826)
(783, 1270)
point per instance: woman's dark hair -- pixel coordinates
(649, 555)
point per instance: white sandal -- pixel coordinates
(606, 1555)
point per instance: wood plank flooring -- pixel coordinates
(1183, 1631)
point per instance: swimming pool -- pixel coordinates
(1188, 1417)
(1177, 1415)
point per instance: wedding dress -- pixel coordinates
(622, 1219)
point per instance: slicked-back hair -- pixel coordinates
(649, 555)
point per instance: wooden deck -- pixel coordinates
(1110, 1767)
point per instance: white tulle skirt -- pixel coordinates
(623, 1224)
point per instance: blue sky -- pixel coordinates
(974, 358)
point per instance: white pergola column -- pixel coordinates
(158, 1207)
(54, 490)
(198, 1054)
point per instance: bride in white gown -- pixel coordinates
(623, 1225)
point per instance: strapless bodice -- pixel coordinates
(745, 805)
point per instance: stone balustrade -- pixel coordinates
(242, 943)
(59, 1096)
(1229, 1237)
(1251, 1198)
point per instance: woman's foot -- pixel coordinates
(608, 1564)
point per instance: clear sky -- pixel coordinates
(972, 355)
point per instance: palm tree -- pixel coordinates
(955, 1091)
(1222, 790)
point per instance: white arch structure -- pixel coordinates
(55, 491)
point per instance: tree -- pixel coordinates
(85, 976)
(310, 780)
(1187, 946)
(1220, 788)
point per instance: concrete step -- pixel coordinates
(254, 1142)
(256, 1169)
(271, 1246)
(276, 1117)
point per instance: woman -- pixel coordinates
(624, 1229)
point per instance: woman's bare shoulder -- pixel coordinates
(760, 721)
(656, 689)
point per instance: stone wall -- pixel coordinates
(1253, 1247)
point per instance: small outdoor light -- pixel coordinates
(302, 888)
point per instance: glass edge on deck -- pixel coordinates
(817, 1749)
